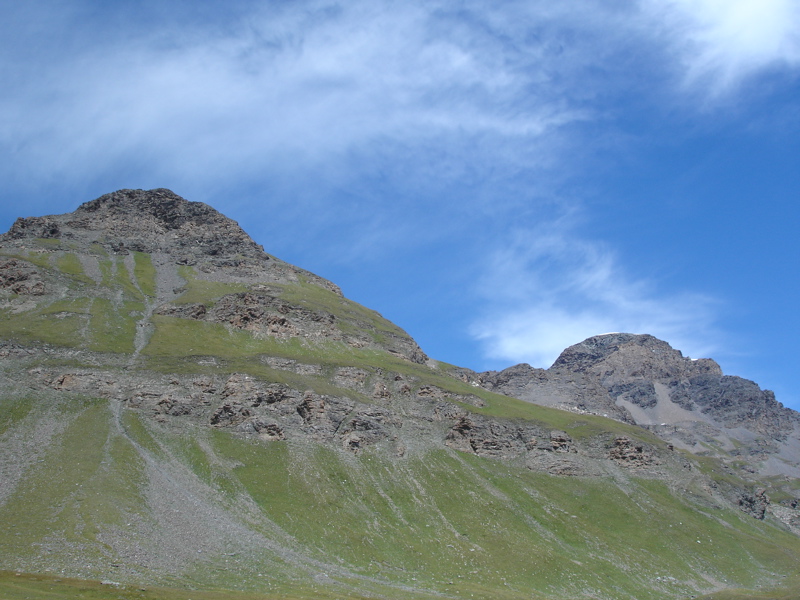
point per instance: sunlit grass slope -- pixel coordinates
(108, 493)
(82, 313)
(372, 525)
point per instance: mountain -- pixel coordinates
(641, 380)
(180, 409)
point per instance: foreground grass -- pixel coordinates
(433, 523)
(26, 586)
(776, 593)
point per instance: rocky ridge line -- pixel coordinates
(642, 380)
(620, 375)
(161, 222)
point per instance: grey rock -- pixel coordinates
(642, 380)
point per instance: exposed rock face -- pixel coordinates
(21, 278)
(643, 371)
(160, 222)
(643, 380)
(147, 221)
(259, 313)
(620, 357)
(755, 504)
(628, 452)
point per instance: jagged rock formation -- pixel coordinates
(689, 403)
(159, 222)
(239, 414)
(20, 278)
(148, 221)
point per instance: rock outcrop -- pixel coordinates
(190, 406)
(160, 222)
(21, 278)
(642, 380)
(147, 221)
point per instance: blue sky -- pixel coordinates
(500, 179)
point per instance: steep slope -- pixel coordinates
(689, 403)
(181, 409)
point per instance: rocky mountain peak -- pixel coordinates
(643, 380)
(166, 207)
(618, 356)
(250, 425)
(147, 221)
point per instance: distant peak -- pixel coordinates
(598, 347)
(642, 352)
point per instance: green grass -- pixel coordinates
(176, 337)
(136, 429)
(713, 468)
(781, 489)
(113, 328)
(40, 259)
(88, 480)
(98, 250)
(95, 324)
(145, 273)
(12, 411)
(441, 522)
(49, 243)
(351, 317)
(488, 526)
(770, 593)
(201, 291)
(117, 277)
(60, 323)
(69, 264)
(26, 586)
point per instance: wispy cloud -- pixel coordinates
(304, 85)
(389, 124)
(361, 116)
(301, 87)
(718, 44)
(546, 289)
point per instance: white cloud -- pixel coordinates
(301, 86)
(548, 289)
(305, 83)
(309, 97)
(722, 42)
(289, 88)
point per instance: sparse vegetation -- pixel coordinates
(145, 273)
(220, 462)
(69, 264)
(202, 291)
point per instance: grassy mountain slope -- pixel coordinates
(112, 495)
(189, 428)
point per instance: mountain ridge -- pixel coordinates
(641, 380)
(201, 412)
